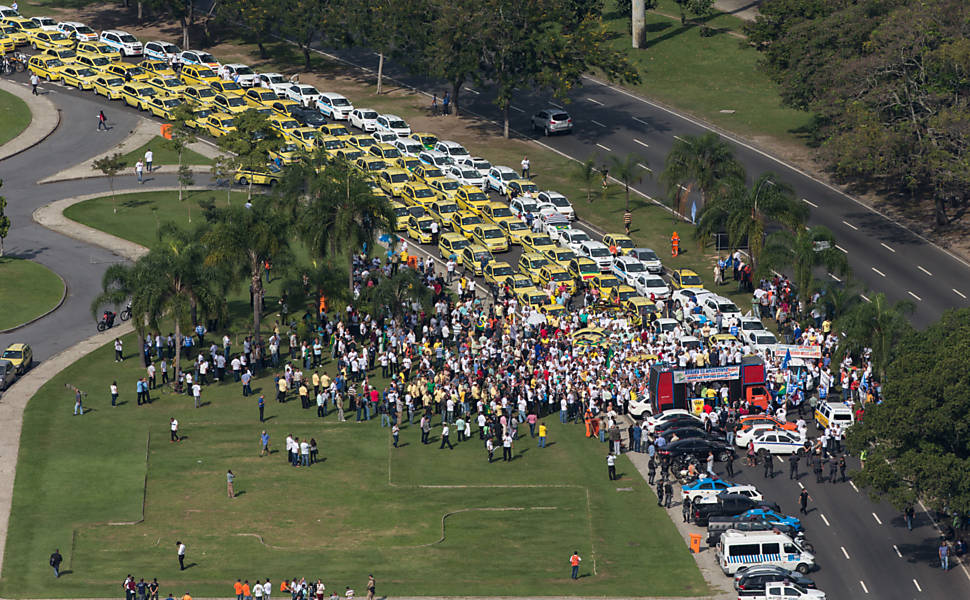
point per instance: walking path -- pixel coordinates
(44, 119)
(143, 133)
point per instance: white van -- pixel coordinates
(738, 550)
(833, 413)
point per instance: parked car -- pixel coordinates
(728, 505)
(8, 374)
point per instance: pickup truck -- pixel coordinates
(728, 505)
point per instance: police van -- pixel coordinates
(738, 550)
(833, 413)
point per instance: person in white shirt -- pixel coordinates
(267, 590)
(174, 424)
(149, 156)
(305, 453)
(197, 394)
(114, 393)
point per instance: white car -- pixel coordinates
(598, 253)
(6, 12)
(393, 124)
(465, 175)
(707, 491)
(554, 225)
(364, 119)
(665, 325)
(667, 415)
(572, 238)
(45, 23)
(452, 149)
(476, 162)
(241, 74)
(522, 206)
(562, 204)
(498, 179)
(627, 269)
(647, 285)
(334, 106)
(789, 591)
(639, 407)
(275, 82)
(713, 304)
(693, 294)
(80, 31)
(762, 341)
(122, 41)
(408, 147)
(385, 137)
(749, 325)
(435, 159)
(743, 436)
(649, 258)
(778, 441)
(741, 489)
(304, 94)
(163, 51)
(198, 57)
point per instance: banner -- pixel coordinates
(709, 374)
(798, 351)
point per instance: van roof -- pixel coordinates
(838, 406)
(733, 535)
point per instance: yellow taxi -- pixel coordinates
(407, 162)
(338, 131)
(20, 355)
(642, 309)
(99, 49)
(257, 97)
(157, 68)
(7, 42)
(68, 55)
(199, 115)
(164, 106)
(471, 198)
(474, 258)
(419, 229)
(451, 244)
(24, 26)
(137, 94)
(623, 242)
(444, 189)
(559, 255)
(385, 151)
(537, 242)
(603, 282)
(43, 40)
(201, 95)
(96, 63)
(168, 86)
(490, 237)
(583, 269)
(80, 77)
(496, 272)
(348, 153)
(400, 216)
(284, 125)
(231, 103)
(268, 175)
(287, 154)
(392, 180)
(557, 276)
(685, 279)
(331, 145)
(530, 263)
(521, 187)
(513, 229)
(305, 138)
(108, 86)
(418, 194)
(496, 212)
(364, 142)
(48, 67)
(218, 124)
(227, 87)
(620, 294)
(283, 106)
(428, 140)
(369, 165)
(198, 75)
(532, 296)
(127, 72)
(463, 222)
(516, 282)
(10, 32)
(443, 211)
(427, 172)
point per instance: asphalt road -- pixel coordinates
(883, 255)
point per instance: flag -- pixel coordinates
(784, 363)
(693, 212)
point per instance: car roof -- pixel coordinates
(503, 168)
(17, 346)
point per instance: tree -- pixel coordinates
(224, 168)
(242, 239)
(917, 436)
(840, 298)
(694, 8)
(877, 325)
(4, 220)
(706, 162)
(111, 166)
(395, 295)
(182, 137)
(453, 47)
(258, 16)
(122, 283)
(305, 22)
(182, 11)
(628, 170)
(250, 143)
(384, 26)
(745, 213)
(588, 174)
(802, 252)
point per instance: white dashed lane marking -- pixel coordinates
(597, 123)
(644, 144)
(862, 583)
(958, 293)
(924, 270)
(594, 101)
(887, 247)
(850, 225)
(809, 202)
(844, 552)
(878, 271)
(898, 553)
(604, 147)
(876, 517)
(913, 295)
(826, 521)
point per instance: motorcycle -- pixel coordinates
(107, 320)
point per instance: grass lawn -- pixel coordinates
(367, 508)
(163, 155)
(14, 116)
(704, 76)
(30, 290)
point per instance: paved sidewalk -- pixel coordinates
(141, 135)
(44, 120)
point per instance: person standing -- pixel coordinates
(627, 221)
(371, 587)
(263, 443)
(542, 435)
(153, 589)
(660, 493)
(793, 466)
(842, 468)
(395, 433)
(525, 167)
(729, 463)
(34, 82)
(119, 351)
(197, 394)
(944, 553)
(113, 389)
(174, 426)
(803, 499)
(490, 447)
(668, 494)
(685, 505)
(574, 561)
(261, 403)
(140, 171)
(445, 437)
(102, 121)
(506, 447)
(710, 465)
(267, 590)
(149, 157)
(55, 562)
(611, 466)
(229, 479)
(181, 555)
(78, 406)
(909, 513)
(434, 105)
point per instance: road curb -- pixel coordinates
(162, 169)
(39, 317)
(44, 120)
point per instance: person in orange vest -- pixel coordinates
(613, 249)
(588, 418)
(574, 563)
(674, 244)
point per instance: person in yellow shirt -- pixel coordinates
(281, 390)
(542, 435)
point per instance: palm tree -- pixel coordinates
(809, 248)
(395, 294)
(746, 212)
(628, 170)
(840, 298)
(242, 239)
(587, 173)
(706, 162)
(122, 283)
(878, 325)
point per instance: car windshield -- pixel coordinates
(365, 142)
(128, 38)
(502, 211)
(171, 82)
(517, 226)
(333, 144)
(85, 72)
(508, 175)
(206, 57)
(560, 276)
(529, 188)
(340, 102)
(169, 48)
(423, 192)
(764, 339)
(690, 280)
(656, 283)
(502, 271)
(647, 255)
(624, 296)
(401, 211)
(492, 234)
(308, 90)
(338, 131)
(376, 165)
(542, 240)
(578, 236)
(447, 209)
(481, 165)
(476, 197)
(275, 78)
(114, 81)
(205, 92)
(205, 73)
(398, 177)
(58, 36)
(99, 61)
(470, 174)
(450, 185)
(424, 225)
(599, 252)
(472, 220)
(529, 207)
(171, 102)
(237, 101)
(624, 243)
(428, 140)
(397, 124)
(244, 71)
(368, 114)
(559, 201)
(84, 29)
(635, 267)
(482, 254)
(727, 307)
(12, 354)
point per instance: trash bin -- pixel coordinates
(695, 543)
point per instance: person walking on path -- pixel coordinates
(627, 221)
(542, 435)
(229, 479)
(174, 425)
(34, 82)
(102, 121)
(140, 171)
(944, 553)
(55, 562)
(803, 499)
(574, 561)
(371, 587)
(181, 554)
(611, 466)
(149, 156)
(525, 167)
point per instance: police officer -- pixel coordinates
(842, 467)
(668, 494)
(660, 493)
(651, 470)
(833, 466)
(729, 463)
(769, 468)
(817, 466)
(685, 509)
(793, 466)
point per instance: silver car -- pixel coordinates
(8, 374)
(552, 120)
